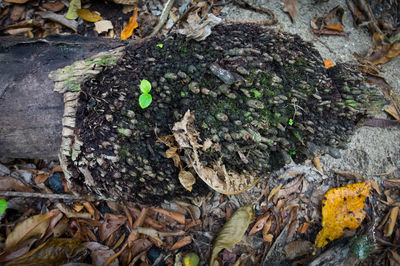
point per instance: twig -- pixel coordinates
(163, 18)
(50, 196)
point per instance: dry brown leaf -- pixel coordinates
(33, 226)
(274, 191)
(111, 224)
(172, 153)
(40, 178)
(291, 8)
(317, 164)
(193, 30)
(17, 250)
(348, 174)
(177, 216)
(139, 246)
(336, 27)
(55, 7)
(103, 26)
(182, 242)
(17, 12)
(389, 52)
(268, 238)
(8, 183)
(72, 24)
(394, 212)
(328, 23)
(134, 235)
(16, 1)
(148, 220)
(259, 224)
(393, 112)
(375, 186)
(233, 231)
(298, 248)
(92, 210)
(303, 228)
(266, 229)
(186, 179)
(70, 213)
(289, 188)
(100, 253)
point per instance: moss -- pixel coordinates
(346, 88)
(300, 62)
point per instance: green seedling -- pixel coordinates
(256, 93)
(3, 206)
(292, 153)
(160, 45)
(291, 122)
(145, 98)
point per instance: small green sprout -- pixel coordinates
(291, 122)
(160, 45)
(145, 98)
(256, 93)
(3, 206)
(292, 153)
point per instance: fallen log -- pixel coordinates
(30, 111)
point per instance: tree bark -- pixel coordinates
(30, 111)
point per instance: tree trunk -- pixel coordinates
(30, 111)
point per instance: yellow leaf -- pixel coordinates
(328, 63)
(74, 5)
(128, 30)
(33, 226)
(336, 27)
(88, 15)
(233, 231)
(342, 208)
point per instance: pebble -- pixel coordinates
(255, 104)
(222, 117)
(171, 76)
(222, 74)
(194, 87)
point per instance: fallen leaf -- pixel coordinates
(259, 224)
(40, 178)
(303, 228)
(186, 179)
(274, 191)
(172, 153)
(55, 7)
(103, 26)
(268, 238)
(336, 27)
(298, 248)
(88, 15)
(193, 30)
(3, 206)
(112, 222)
(72, 13)
(289, 188)
(132, 24)
(191, 259)
(233, 231)
(134, 235)
(182, 242)
(266, 228)
(56, 251)
(100, 253)
(177, 216)
(72, 24)
(17, 251)
(394, 212)
(33, 226)
(349, 174)
(316, 160)
(17, 12)
(342, 209)
(139, 246)
(70, 213)
(8, 183)
(393, 112)
(382, 123)
(291, 8)
(385, 53)
(16, 1)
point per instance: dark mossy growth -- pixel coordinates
(257, 93)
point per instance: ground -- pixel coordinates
(287, 204)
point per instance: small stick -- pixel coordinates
(50, 196)
(163, 18)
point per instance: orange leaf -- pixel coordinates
(342, 208)
(177, 216)
(328, 63)
(128, 30)
(259, 224)
(182, 242)
(88, 15)
(336, 27)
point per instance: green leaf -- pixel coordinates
(290, 122)
(3, 206)
(145, 86)
(72, 13)
(256, 93)
(160, 45)
(145, 100)
(191, 259)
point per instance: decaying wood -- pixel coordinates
(30, 111)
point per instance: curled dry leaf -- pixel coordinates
(291, 7)
(298, 248)
(259, 224)
(56, 251)
(394, 212)
(182, 242)
(111, 224)
(177, 216)
(342, 209)
(329, 23)
(233, 231)
(274, 191)
(33, 226)
(132, 24)
(18, 250)
(8, 183)
(100, 253)
(193, 30)
(187, 179)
